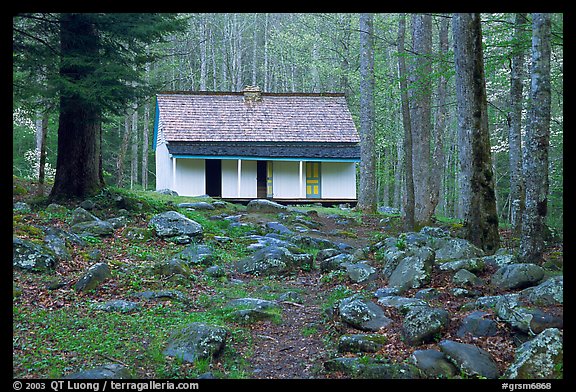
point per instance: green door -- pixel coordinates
(313, 180)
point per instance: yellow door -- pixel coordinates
(312, 180)
(269, 192)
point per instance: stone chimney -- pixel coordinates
(252, 94)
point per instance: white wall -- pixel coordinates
(285, 179)
(190, 177)
(248, 183)
(338, 180)
(163, 167)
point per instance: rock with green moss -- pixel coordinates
(363, 314)
(539, 358)
(174, 224)
(196, 341)
(95, 275)
(27, 255)
(354, 343)
(470, 359)
(433, 364)
(423, 324)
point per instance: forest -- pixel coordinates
(314, 53)
(460, 118)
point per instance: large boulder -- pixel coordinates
(423, 324)
(80, 215)
(457, 249)
(517, 276)
(174, 224)
(265, 206)
(355, 343)
(363, 314)
(93, 277)
(93, 228)
(196, 341)
(413, 271)
(27, 255)
(549, 292)
(253, 309)
(471, 360)
(539, 358)
(273, 260)
(433, 364)
(108, 371)
(477, 324)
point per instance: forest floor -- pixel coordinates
(295, 346)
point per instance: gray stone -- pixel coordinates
(273, 260)
(197, 341)
(27, 255)
(360, 272)
(198, 205)
(517, 276)
(549, 292)
(195, 254)
(433, 364)
(363, 314)
(499, 260)
(57, 245)
(539, 358)
(118, 306)
(435, 232)
(265, 206)
(291, 296)
(174, 224)
(93, 228)
(478, 324)
(386, 292)
(163, 295)
(95, 275)
(169, 192)
(368, 343)
(403, 304)
(108, 371)
(215, 271)
(423, 324)
(21, 207)
(428, 293)
(457, 249)
(470, 359)
(466, 278)
(475, 264)
(253, 309)
(335, 263)
(278, 228)
(118, 222)
(412, 272)
(371, 368)
(80, 215)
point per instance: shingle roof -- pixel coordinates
(223, 117)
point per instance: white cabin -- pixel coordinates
(251, 145)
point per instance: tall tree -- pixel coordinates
(515, 125)
(367, 194)
(409, 182)
(537, 142)
(100, 59)
(420, 93)
(477, 189)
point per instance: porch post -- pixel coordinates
(300, 174)
(239, 178)
(173, 187)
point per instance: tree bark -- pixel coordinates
(479, 202)
(537, 143)
(409, 182)
(78, 164)
(367, 196)
(515, 127)
(420, 94)
(438, 161)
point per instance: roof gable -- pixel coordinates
(227, 117)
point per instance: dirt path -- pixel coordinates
(294, 348)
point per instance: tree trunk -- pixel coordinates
(122, 152)
(134, 152)
(367, 196)
(537, 144)
(78, 164)
(420, 96)
(145, 141)
(438, 161)
(515, 127)
(479, 203)
(203, 52)
(409, 180)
